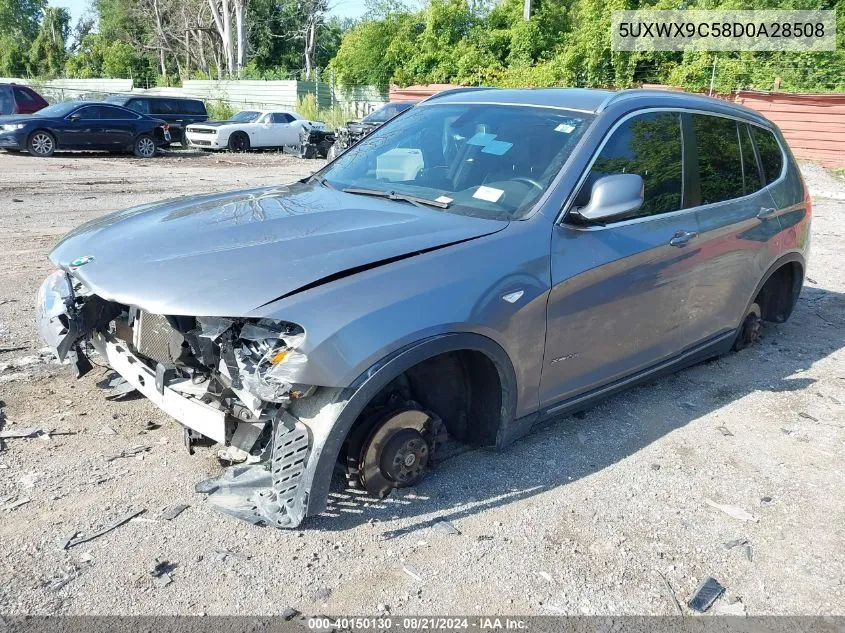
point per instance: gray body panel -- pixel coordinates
(617, 299)
(228, 254)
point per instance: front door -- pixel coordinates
(619, 295)
(279, 130)
(83, 129)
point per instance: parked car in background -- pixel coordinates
(83, 125)
(354, 131)
(474, 268)
(251, 129)
(16, 99)
(177, 112)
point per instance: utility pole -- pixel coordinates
(712, 75)
(526, 10)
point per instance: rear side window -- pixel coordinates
(649, 145)
(24, 96)
(769, 150)
(719, 158)
(108, 112)
(164, 106)
(139, 105)
(88, 113)
(190, 106)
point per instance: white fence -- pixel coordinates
(70, 89)
(240, 94)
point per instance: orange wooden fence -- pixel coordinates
(813, 124)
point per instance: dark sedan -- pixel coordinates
(83, 125)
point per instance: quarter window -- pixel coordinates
(23, 95)
(769, 150)
(649, 145)
(189, 106)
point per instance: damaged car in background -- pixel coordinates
(470, 270)
(347, 135)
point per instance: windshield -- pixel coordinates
(57, 110)
(246, 116)
(386, 113)
(491, 161)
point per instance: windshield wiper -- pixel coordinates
(392, 195)
(320, 180)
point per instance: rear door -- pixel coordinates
(118, 127)
(738, 222)
(281, 131)
(168, 110)
(618, 302)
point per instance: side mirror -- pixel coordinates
(75, 116)
(614, 195)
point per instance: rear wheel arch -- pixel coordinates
(481, 359)
(778, 290)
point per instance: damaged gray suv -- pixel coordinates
(481, 263)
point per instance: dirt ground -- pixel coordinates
(612, 511)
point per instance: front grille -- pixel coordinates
(151, 336)
(199, 130)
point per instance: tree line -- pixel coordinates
(507, 43)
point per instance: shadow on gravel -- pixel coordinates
(578, 445)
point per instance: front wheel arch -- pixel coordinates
(41, 131)
(355, 398)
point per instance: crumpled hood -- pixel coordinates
(228, 254)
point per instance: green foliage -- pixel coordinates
(219, 110)
(306, 105)
(47, 52)
(565, 43)
(19, 25)
(99, 56)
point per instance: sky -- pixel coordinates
(340, 8)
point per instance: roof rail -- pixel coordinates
(453, 91)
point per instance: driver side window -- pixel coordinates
(649, 145)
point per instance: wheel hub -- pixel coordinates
(405, 457)
(395, 452)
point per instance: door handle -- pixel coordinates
(682, 238)
(766, 213)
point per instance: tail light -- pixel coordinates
(165, 127)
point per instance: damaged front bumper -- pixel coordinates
(227, 379)
(192, 413)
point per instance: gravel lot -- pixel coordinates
(605, 512)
